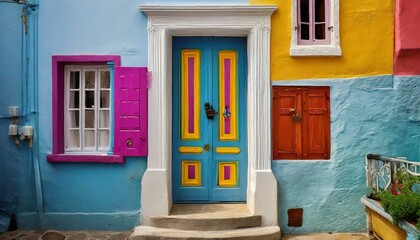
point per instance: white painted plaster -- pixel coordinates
(332, 49)
(245, 20)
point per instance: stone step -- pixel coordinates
(207, 217)
(206, 223)
(256, 233)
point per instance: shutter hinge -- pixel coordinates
(297, 28)
(330, 28)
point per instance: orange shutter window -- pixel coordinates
(316, 123)
(286, 132)
(301, 123)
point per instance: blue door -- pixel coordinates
(209, 154)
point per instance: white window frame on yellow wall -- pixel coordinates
(331, 49)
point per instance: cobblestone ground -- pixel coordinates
(107, 235)
(64, 235)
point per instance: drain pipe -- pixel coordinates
(32, 8)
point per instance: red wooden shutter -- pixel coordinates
(130, 111)
(316, 123)
(286, 133)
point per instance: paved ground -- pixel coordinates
(326, 236)
(64, 235)
(107, 235)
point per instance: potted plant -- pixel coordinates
(401, 201)
(393, 204)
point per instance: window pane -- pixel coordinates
(304, 10)
(104, 140)
(320, 31)
(89, 99)
(90, 79)
(104, 119)
(73, 139)
(304, 31)
(74, 99)
(89, 119)
(74, 80)
(89, 141)
(104, 99)
(105, 79)
(74, 119)
(319, 10)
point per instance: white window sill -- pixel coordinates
(315, 50)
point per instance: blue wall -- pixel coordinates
(16, 171)
(87, 196)
(368, 115)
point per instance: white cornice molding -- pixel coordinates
(208, 10)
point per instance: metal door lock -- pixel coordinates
(210, 112)
(296, 117)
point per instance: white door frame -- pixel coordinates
(251, 21)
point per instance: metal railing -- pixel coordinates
(381, 170)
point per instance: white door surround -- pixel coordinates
(251, 21)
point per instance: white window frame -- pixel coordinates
(331, 49)
(82, 69)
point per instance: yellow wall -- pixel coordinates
(366, 35)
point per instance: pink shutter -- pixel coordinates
(130, 111)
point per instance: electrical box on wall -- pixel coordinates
(13, 111)
(27, 131)
(13, 130)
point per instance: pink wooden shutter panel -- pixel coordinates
(130, 111)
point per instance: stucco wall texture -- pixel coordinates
(366, 35)
(16, 172)
(368, 115)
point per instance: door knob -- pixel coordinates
(207, 147)
(210, 112)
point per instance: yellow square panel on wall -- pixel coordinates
(228, 174)
(190, 173)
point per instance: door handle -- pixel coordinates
(210, 112)
(226, 113)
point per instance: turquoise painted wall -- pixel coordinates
(16, 171)
(72, 195)
(368, 115)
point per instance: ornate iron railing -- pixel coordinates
(381, 170)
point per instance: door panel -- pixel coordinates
(209, 154)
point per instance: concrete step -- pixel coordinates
(256, 233)
(207, 217)
(206, 222)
